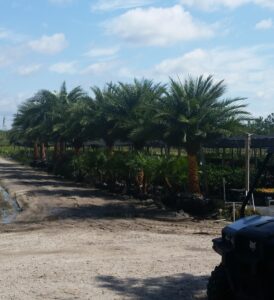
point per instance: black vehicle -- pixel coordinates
(246, 271)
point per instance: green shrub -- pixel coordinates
(172, 172)
(64, 166)
(21, 154)
(235, 178)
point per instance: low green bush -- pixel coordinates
(128, 168)
(234, 177)
(21, 154)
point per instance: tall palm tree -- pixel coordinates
(33, 120)
(79, 123)
(194, 112)
(104, 107)
(22, 127)
(65, 108)
(134, 110)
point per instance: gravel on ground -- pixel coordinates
(76, 242)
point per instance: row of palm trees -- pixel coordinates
(181, 113)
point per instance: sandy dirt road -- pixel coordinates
(74, 242)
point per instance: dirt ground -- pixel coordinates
(75, 242)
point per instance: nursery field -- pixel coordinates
(74, 242)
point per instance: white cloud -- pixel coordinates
(28, 70)
(49, 44)
(158, 26)
(64, 67)
(98, 68)
(265, 3)
(101, 52)
(216, 4)
(9, 104)
(247, 72)
(105, 5)
(125, 72)
(9, 35)
(264, 24)
(9, 55)
(225, 63)
(3, 61)
(4, 33)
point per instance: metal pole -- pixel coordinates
(224, 189)
(247, 167)
(247, 162)
(254, 184)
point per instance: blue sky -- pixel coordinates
(84, 42)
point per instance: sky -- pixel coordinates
(88, 43)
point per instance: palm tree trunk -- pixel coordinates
(77, 150)
(193, 176)
(109, 146)
(140, 180)
(43, 152)
(62, 147)
(56, 152)
(35, 151)
(144, 184)
(77, 146)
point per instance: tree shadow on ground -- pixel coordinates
(31, 177)
(115, 206)
(179, 286)
(110, 211)
(72, 191)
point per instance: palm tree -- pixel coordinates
(79, 123)
(43, 118)
(22, 123)
(258, 126)
(125, 111)
(133, 110)
(193, 113)
(102, 122)
(33, 120)
(65, 108)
